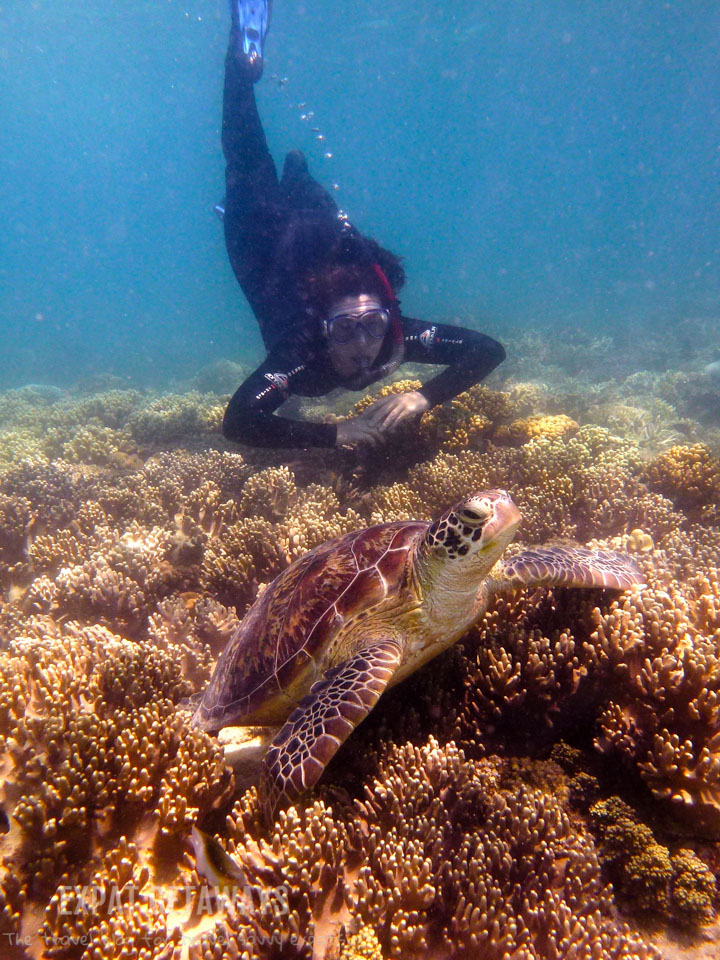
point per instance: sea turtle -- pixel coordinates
(360, 613)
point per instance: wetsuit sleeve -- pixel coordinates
(250, 416)
(470, 356)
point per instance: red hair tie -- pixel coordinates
(395, 319)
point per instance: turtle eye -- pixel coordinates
(475, 514)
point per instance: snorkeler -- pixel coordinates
(324, 295)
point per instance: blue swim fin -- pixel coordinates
(251, 19)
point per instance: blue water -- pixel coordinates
(537, 162)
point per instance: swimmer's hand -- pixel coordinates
(380, 419)
(387, 413)
(357, 431)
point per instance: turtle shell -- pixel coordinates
(284, 642)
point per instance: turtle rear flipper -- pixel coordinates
(323, 720)
(192, 702)
(567, 566)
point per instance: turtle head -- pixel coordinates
(475, 531)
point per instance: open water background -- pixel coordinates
(539, 163)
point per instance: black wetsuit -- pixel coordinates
(277, 231)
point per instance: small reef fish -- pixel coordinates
(190, 598)
(713, 370)
(212, 863)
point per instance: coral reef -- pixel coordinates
(541, 425)
(646, 872)
(437, 857)
(689, 476)
(131, 543)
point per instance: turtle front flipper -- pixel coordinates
(322, 721)
(566, 566)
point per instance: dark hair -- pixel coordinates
(349, 271)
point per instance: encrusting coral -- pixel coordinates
(646, 872)
(688, 475)
(125, 567)
(542, 425)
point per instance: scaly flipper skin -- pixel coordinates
(565, 566)
(322, 721)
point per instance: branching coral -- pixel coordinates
(113, 916)
(664, 715)
(93, 746)
(122, 584)
(460, 424)
(438, 859)
(565, 487)
(16, 520)
(122, 579)
(255, 550)
(174, 417)
(447, 849)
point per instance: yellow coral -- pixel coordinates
(363, 945)
(689, 475)
(398, 386)
(645, 870)
(520, 431)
